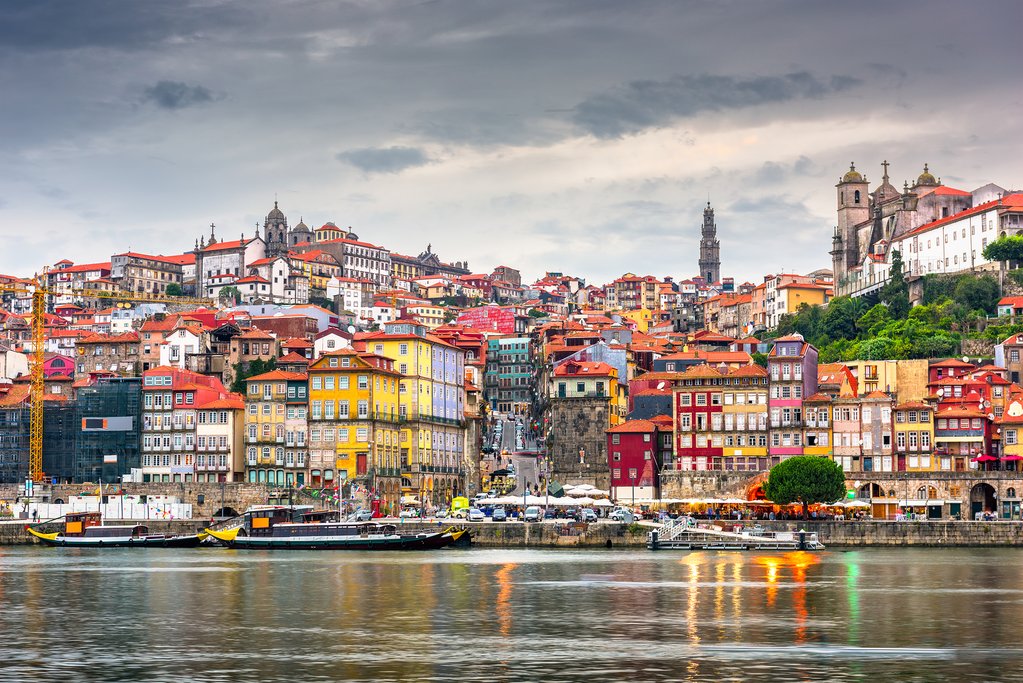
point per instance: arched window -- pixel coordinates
(921, 493)
(856, 197)
(1010, 492)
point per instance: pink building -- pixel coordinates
(793, 368)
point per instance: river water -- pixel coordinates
(510, 615)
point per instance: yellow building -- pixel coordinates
(317, 265)
(914, 437)
(431, 400)
(275, 428)
(428, 314)
(354, 422)
(744, 419)
(641, 316)
(906, 379)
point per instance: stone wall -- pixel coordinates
(205, 498)
(580, 424)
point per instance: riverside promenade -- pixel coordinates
(559, 534)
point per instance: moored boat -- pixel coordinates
(276, 528)
(85, 530)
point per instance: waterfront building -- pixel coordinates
(817, 434)
(585, 400)
(876, 433)
(914, 436)
(219, 440)
(355, 420)
(792, 364)
(276, 427)
(110, 442)
(961, 435)
(845, 432)
(431, 397)
(509, 378)
(60, 424)
(634, 460)
(698, 408)
(170, 398)
(744, 419)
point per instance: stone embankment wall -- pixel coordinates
(835, 535)
(205, 498)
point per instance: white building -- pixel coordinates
(957, 242)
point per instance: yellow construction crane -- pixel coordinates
(37, 387)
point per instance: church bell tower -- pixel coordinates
(710, 248)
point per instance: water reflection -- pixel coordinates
(501, 615)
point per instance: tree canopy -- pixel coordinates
(242, 371)
(174, 289)
(805, 479)
(1008, 248)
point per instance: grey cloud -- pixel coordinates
(772, 172)
(176, 95)
(384, 159)
(645, 104)
(54, 25)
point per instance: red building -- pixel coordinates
(492, 318)
(633, 456)
(697, 401)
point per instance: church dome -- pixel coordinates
(301, 227)
(926, 178)
(275, 213)
(852, 175)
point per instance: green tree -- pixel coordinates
(870, 321)
(536, 313)
(231, 294)
(977, 293)
(242, 371)
(759, 358)
(1005, 249)
(839, 321)
(895, 293)
(174, 289)
(805, 479)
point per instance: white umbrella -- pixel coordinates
(602, 503)
(584, 501)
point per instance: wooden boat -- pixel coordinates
(85, 530)
(275, 528)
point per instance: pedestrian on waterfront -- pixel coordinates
(35, 515)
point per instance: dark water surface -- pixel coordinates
(510, 615)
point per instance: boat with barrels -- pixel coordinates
(283, 527)
(86, 530)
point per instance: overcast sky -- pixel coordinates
(582, 137)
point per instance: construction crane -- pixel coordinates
(37, 386)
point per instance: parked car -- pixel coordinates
(460, 513)
(476, 515)
(408, 513)
(443, 514)
(499, 515)
(362, 515)
(550, 514)
(533, 514)
(587, 515)
(622, 515)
